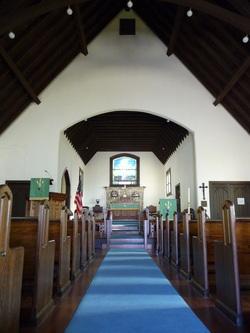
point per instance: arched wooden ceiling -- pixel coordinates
(47, 40)
(126, 131)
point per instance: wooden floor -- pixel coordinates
(204, 308)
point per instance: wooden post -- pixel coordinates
(157, 236)
(109, 227)
(175, 245)
(92, 221)
(161, 235)
(167, 238)
(146, 227)
(84, 258)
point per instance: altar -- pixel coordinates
(125, 202)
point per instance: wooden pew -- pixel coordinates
(90, 236)
(227, 269)
(174, 241)
(93, 234)
(11, 268)
(184, 238)
(75, 256)
(200, 261)
(83, 240)
(58, 232)
(39, 256)
(166, 239)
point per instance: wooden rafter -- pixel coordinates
(238, 21)
(176, 29)
(234, 79)
(19, 17)
(13, 67)
(82, 37)
(242, 6)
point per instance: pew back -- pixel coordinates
(11, 268)
(39, 257)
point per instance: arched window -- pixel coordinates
(124, 170)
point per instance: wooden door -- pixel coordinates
(237, 192)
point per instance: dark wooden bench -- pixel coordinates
(58, 232)
(174, 241)
(39, 256)
(184, 239)
(166, 239)
(11, 269)
(73, 232)
(90, 236)
(93, 232)
(232, 263)
(82, 224)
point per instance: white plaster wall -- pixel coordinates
(70, 160)
(125, 73)
(97, 176)
(182, 164)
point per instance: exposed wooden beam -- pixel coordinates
(237, 20)
(83, 42)
(242, 6)
(176, 29)
(234, 79)
(20, 16)
(29, 13)
(13, 67)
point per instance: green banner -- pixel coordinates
(167, 204)
(39, 188)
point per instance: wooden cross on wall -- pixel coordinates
(203, 187)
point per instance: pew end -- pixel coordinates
(11, 268)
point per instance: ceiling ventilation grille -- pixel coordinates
(127, 26)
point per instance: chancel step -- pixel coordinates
(125, 235)
(127, 246)
(127, 240)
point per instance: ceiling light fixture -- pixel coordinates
(130, 4)
(190, 12)
(245, 39)
(12, 35)
(69, 11)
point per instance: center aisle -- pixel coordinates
(130, 294)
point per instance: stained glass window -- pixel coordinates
(124, 170)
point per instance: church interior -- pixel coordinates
(124, 166)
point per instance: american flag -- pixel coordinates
(78, 198)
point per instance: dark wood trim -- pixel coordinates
(234, 79)
(137, 158)
(82, 37)
(242, 6)
(237, 20)
(13, 67)
(176, 29)
(32, 12)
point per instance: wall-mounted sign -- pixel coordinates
(241, 201)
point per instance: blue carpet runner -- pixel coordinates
(130, 294)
